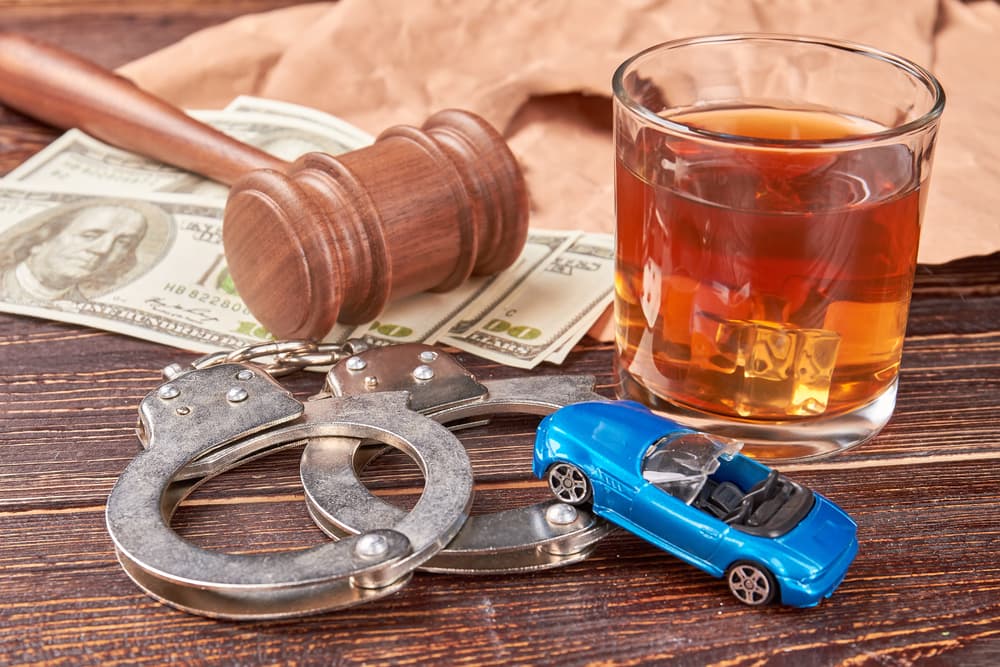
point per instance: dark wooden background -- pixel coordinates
(925, 587)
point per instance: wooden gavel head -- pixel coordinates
(321, 239)
(334, 238)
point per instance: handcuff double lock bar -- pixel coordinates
(226, 410)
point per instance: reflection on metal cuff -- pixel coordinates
(241, 411)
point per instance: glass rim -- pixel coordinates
(916, 71)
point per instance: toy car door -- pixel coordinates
(685, 531)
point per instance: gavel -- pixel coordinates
(322, 239)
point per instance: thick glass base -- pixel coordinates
(776, 441)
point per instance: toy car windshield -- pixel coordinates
(680, 463)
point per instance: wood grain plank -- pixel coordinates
(95, 410)
(924, 589)
(911, 589)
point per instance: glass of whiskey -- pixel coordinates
(769, 192)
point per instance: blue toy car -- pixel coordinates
(694, 495)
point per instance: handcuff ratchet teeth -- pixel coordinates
(544, 535)
(236, 407)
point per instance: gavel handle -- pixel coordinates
(64, 90)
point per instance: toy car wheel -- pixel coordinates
(752, 584)
(568, 483)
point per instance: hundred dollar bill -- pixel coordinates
(535, 319)
(321, 121)
(422, 318)
(601, 245)
(573, 336)
(149, 267)
(285, 136)
(78, 162)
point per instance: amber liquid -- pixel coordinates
(762, 282)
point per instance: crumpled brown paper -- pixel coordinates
(540, 71)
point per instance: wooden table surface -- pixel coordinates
(925, 586)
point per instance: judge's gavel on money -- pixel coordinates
(323, 238)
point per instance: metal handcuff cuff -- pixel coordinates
(222, 412)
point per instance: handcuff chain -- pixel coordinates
(276, 357)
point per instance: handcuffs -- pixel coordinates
(224, 411)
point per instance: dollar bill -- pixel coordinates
(422, 318)
(78, 162)
(563, 348)
(151, 267)
(284, 136)
(320, 121)
(547, 309)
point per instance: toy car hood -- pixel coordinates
(820, 537)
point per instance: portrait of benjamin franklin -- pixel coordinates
(80, 250)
